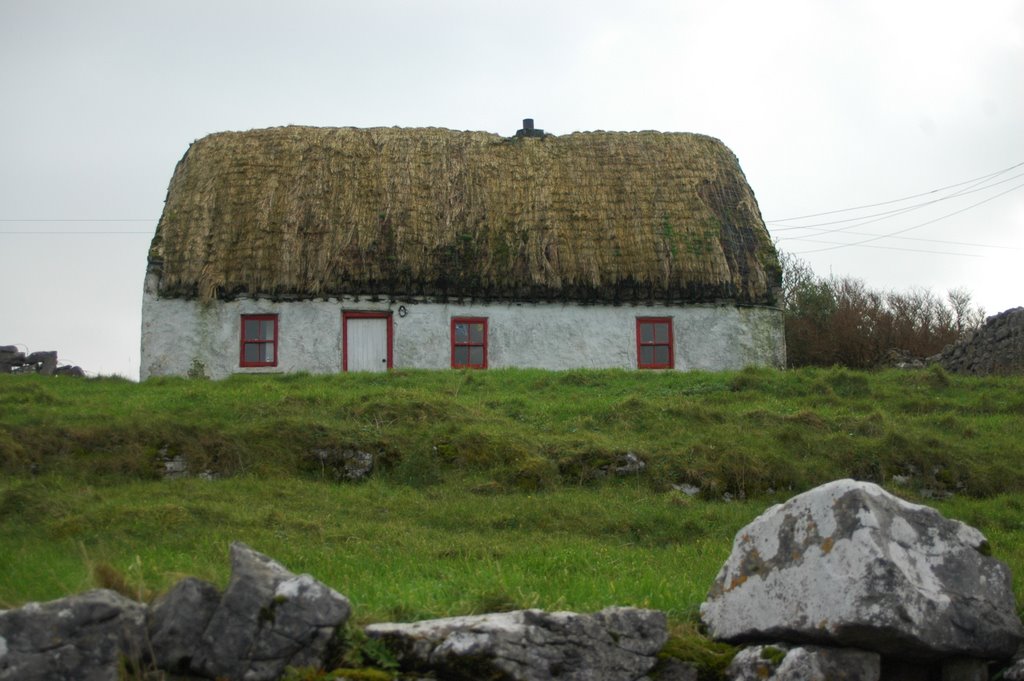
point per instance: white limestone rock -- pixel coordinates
(615, 644)
(849, 564)
(268, 619)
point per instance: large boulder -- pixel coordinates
(78, 638)
(268, 619)
(177, 621)
(615, 644)
(848, 564)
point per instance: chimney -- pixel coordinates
(528, 130)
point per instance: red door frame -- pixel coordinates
(359, 314)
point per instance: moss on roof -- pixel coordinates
(429, 212)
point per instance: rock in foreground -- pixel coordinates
(267, 620)
(78, 638)
(848, 564)
(615, 644)
(177, 621)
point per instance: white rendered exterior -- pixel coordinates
(179, 336)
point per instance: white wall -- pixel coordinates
(177, 334)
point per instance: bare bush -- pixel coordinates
(840, 320)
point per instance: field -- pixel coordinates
(494, 490)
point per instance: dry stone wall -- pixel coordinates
(14, 361)
(996, 348)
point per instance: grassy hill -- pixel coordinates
(494, 489)
(741, 433)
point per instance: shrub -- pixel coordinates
(839, 320)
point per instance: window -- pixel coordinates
(469, 342)
(259, 340)
(654, 343)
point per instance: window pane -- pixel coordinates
(462, 333)
(476, 355)
(476, 333)
(646, 332)
(267, 352)
(461, 355)
(661, 354)
(267, 326)
(646, 355)
(660, 332)
(252, 352)
(252, 329)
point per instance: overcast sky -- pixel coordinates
(827, 104)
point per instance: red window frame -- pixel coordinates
(258, 340)
(651, 342)
(469, 343)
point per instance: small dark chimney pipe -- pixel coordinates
(528, 130)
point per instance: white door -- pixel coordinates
(366, 346)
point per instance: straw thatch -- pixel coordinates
(597, 216)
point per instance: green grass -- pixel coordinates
(493, 491)
(744, 433)
(396, 551)
(404, 553)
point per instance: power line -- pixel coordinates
(917, 226)
(65, 232)
(892, 213)
(905, 198)
(902, 238)
(820, 232)
(889, 248)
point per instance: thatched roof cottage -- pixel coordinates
(334, 249)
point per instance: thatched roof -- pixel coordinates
(404, 213)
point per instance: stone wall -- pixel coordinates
(996, 348)
(14, 361)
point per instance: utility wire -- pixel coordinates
(892, 213)
(917, 226)
(893, 248)
(77, 220)
(905, 198)
(810, 237)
